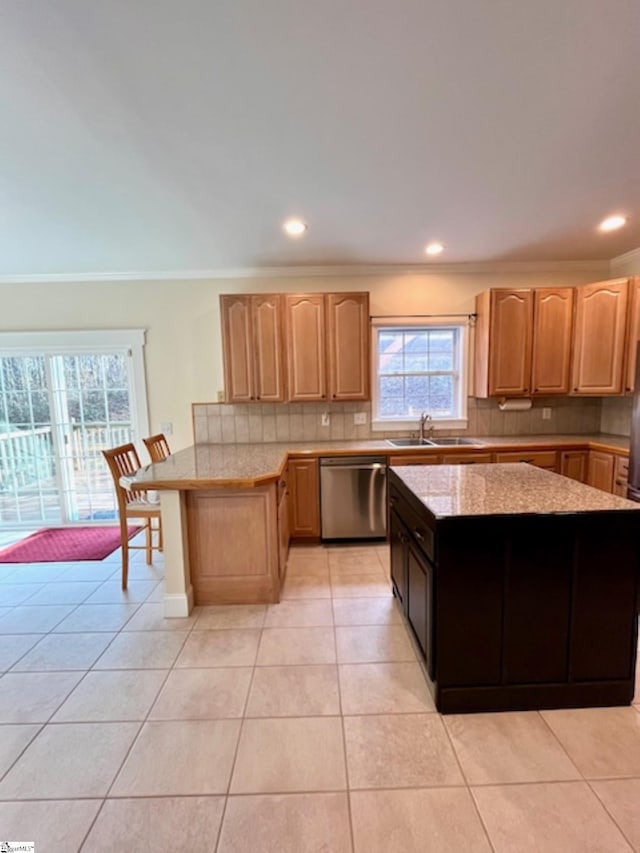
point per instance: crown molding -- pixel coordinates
(319, 270)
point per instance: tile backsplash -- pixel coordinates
(260, 422)
(616, 415)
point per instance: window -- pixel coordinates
(419, 368)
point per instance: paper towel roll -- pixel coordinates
(515, 404)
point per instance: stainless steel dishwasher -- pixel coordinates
(353, 497)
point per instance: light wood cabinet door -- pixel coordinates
(305, 333)
(540, 458)
(348, 345)
(599, 337)
(304, 494)
(466, 458)
(600, 470)
(633, 335)
(621, 476)
(237, 347)
(510, 335)
(573, 464)
(268, 347)
(552, 327)
(414, 459)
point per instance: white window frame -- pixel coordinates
(379, 424)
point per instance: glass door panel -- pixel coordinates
(92, 405)
(29, 493)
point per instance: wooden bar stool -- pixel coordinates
(123, 461)
(158, 447)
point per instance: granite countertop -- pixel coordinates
(247, 465)
(450, 491)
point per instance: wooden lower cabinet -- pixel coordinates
(466, 458)
(621, 476)
(600, 470)
(420, 600)
(573, 464)
(304, 492)
(233, 545)
(398, 544)
(415, 459)
(540, 458)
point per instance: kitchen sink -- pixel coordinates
(431, 442)
(452, 442)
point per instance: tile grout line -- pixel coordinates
(584, 778)
(468, 787)
(344, 736)
(240, 730)
(136, 736)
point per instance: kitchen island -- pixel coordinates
(520, 585)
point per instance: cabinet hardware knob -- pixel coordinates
(575, 389)
(418, 535)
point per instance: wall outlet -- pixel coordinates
(221, 396)
(325, 419)
(546, 414)
(360, 418)
(166, 428)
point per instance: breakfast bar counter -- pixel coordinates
(520, 585)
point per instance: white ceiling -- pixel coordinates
(155, 135)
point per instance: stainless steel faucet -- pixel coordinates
(426, 424)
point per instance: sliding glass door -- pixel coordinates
(58, 411)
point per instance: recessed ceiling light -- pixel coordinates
(611, 223)
(434, 248)
(295, 227)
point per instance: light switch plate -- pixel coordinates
(360, 418)
(325, 419)
(221, 396)
(546, 413)
(166, 427)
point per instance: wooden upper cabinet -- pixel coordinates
(252, 348)
(510, 332)
(298, 347)
(348, 345)
(599, 337)
(504, 330)
(268, 347)
(305, 332)
(237, 347)
(633, 335)
(551, 353)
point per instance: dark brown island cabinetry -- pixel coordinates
(516, 610)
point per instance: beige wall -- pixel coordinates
(183, 352)
(627, 264)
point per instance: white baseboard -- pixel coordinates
(178, 604)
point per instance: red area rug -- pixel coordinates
(65, 545)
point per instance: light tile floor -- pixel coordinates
(303, 726)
